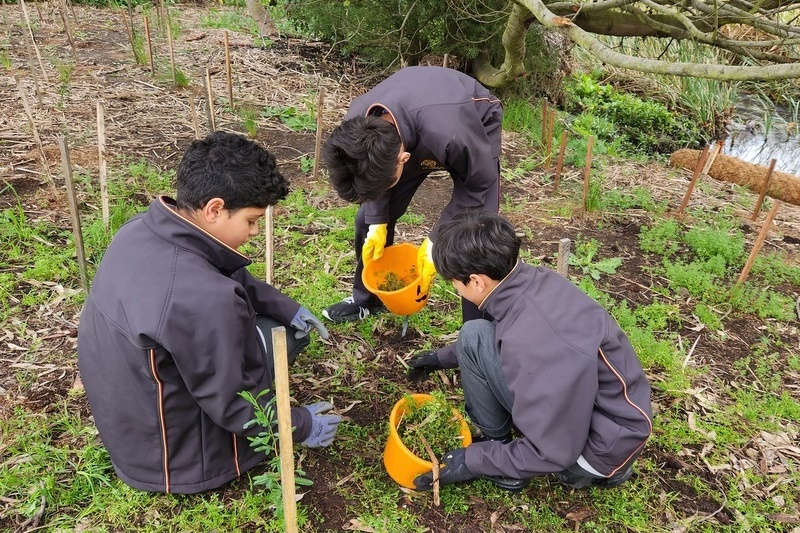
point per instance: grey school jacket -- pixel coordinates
(167, 340)
(577, 385)
(446, 120)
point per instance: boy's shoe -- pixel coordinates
(508, 483)
(347, 310)
(505, 439)
(575, 481)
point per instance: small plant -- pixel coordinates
(434, 421)
(584, 258)
(267, 442)
(306, 163)
(294, 119)
(249, 121)
(393, 282)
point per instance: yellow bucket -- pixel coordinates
(401, 464)
(399, 263)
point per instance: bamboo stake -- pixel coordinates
(35, 132)
(101, 153)
(697, 169)
(563, 256)
(172, 55)
(320, 125)
(193, 111)
(27, 22)
(434, 470)
(210, 95)
(763, 192)
(228, 71)
(281, 363)
(759, 243)
(445, 60)
(32, 69)
(130, 35)
(560, 163)
(149, 45)
(586, 171)
(74, 214)
(65, 19)
(269, 231)
(544, 120)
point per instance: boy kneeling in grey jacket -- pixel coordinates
(553, 365)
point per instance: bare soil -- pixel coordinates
(147, 118)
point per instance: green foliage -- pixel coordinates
(433, 421)
(267, 442)
(721, 246)
(292, 117)
(644, 125)
(663, 238)
(584, 256)
(306, 163)
(236, 20)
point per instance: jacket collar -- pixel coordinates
(508, 291)
(163, 219)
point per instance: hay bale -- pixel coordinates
(782, 186)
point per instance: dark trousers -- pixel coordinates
(293, 346)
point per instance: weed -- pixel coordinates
(292, 118)
(306, 163)
(584, 257)
(433, 421)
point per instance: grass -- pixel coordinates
(55, 472)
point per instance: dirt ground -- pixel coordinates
(145, 117)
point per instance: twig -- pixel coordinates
(434, 472)
(691, 351)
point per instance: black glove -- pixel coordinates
(422, 364)
(454, 471)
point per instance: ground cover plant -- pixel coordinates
(432, 422)
(723, 358)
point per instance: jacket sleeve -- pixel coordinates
(553, 395)
(214, 343)
(266, 299)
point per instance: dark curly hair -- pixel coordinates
(361, 156)
(476, 242)
(232, 167)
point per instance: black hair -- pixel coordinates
(361, 155)
(228, 166)
(476, 242)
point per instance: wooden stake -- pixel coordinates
(445, 60)
(697, 169)
(586, 171)
(560, 163)
(101, 153)
(763, 192)
(320, 126)
(281, 362)
(193, 112)
(27, 22)
(563, 256)
(759, 243)
(130, 35)
(228, 71)
(35, 132)
(149, 45)
(73, 211)
(210, 95)
(172, 55)
(32, 70)
(551, 119)
(269, 231)
(544, 121)
(65, 19)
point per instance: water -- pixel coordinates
(749, 142)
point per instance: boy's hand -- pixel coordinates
(422, 364)
(323, 425)
(425, 264)
(454, 471)
(304, 321)
(375, 243)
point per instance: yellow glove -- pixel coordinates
(425, 264)
(374, 243)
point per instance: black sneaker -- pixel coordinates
(347, 310)
(508, 483)
(574, 481)
(615, 480)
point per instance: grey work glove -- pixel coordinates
(304, 321)
(422, 364)
(454, 471)
(323, 425)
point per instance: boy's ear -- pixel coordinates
(480, 284)
(212, 211)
